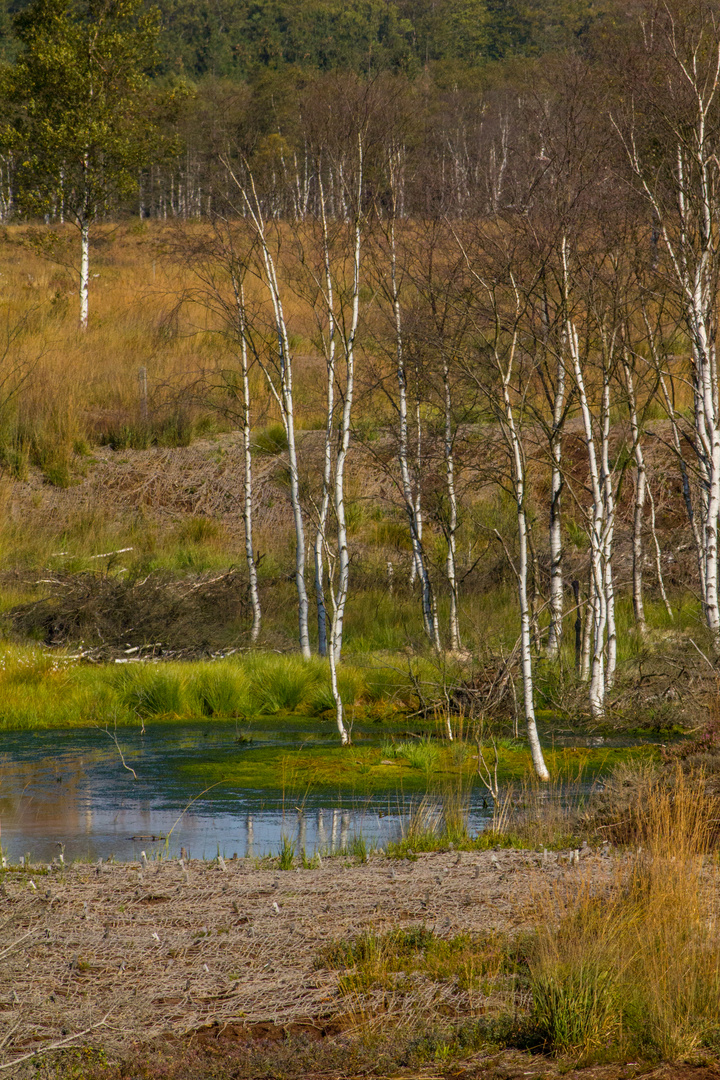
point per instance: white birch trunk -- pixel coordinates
(455, 640)
(608, 533)
(414, 517)
(687, 491)
(349, 344)
(639, 509)
(247, 482)
(284, 396)
(84, 272)
(320, 533)
(556, 486)
(522, 575)
(587, 631)
(337, 696)
(597, 514)
(658, 555)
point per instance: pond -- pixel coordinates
(209, 787)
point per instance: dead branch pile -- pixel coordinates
(155, 614)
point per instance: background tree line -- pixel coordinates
(239, 39)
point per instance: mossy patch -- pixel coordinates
(364, 769)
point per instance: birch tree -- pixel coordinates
(596, 297)
(391, 278)
(338, 126)
(439, 331)
(219, 259)
(561, 179)
(276, 362)
(671, 136)
(499, 320)
(84, 128)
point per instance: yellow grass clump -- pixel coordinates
(638, 969)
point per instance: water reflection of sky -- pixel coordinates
(71, 789)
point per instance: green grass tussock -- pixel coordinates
(373, 961)
(221, 690)
(44, 689)
(280, 684)
(152, 690)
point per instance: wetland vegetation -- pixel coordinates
(360, 462)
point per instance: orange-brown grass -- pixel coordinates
(142, 315)
(637, 970)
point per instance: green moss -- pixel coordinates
(364, 770)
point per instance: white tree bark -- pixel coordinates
(247, 451)
(344, 329)
(452, 524)
(587, 630)
(518, 470)
(412, 508)
(283, 393)
(639, 508)
(609, 528)
(556, 486)
(658, 555)
(597, 519)
(330, 361)
(349, 348)
(84, 272)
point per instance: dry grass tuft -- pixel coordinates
(638, 969)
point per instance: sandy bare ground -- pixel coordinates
(119, 952)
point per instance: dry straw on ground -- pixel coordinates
(165, 951)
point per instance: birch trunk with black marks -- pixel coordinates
(349, 339)
(247, 454)
(518, 478)
(658, 554)
(452, 522)
(596, 529)
(341, 331)
(555, 530)
(639, 507)
(330, 361)
(609, 527)
(280, 381)
(84, 272)
(412, 505)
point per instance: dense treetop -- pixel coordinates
(240, 38)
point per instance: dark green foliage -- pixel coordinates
(82, 94)
(239, 38)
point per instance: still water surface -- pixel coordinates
(70, 791)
